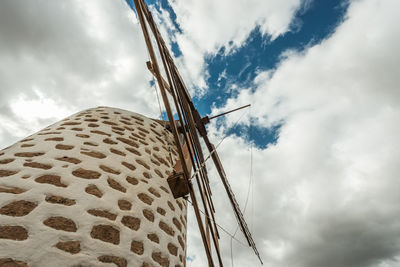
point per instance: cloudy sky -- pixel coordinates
(317, 156)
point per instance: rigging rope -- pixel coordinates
(252, 186)
(159, 106)
(153, 78)
(202, 165)
(158, 98)
(165, 130)
(249, 188)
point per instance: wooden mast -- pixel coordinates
(139, 9)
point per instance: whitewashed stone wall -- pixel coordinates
(91, 190)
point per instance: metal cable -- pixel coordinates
(220, 227)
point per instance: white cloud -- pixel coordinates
(326, 193)
(214, 24)
(34, 109)
(210, 25)
(74, 54)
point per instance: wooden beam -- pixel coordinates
(150, 68)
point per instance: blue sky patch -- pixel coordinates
(261, 137)
(259, 53)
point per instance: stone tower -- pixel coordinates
(91, 190)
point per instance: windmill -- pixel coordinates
(187, 132)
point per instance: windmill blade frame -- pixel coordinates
(187, 131)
